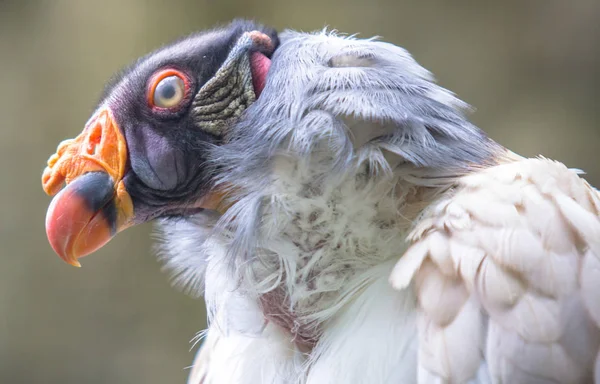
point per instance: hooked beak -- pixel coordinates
(94, 206)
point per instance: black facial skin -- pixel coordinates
(167, 169)
(96, 189)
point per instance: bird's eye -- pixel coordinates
(168, 89)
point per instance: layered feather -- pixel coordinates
(506, 272)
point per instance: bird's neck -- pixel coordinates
(321, 237)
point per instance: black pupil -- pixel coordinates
(167, 89)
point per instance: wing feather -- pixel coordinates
(507, 270)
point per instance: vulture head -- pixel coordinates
(142, 154)
(240, 129)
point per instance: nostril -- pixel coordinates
(94, 139)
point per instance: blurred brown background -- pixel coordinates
(532, 69)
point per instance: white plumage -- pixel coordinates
(503, 267)
(375, 236)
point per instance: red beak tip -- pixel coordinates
(74, 227)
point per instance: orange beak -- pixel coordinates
(94, 205)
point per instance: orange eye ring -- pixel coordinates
(181, 87)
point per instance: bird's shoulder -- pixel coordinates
(506, 262)
(525, 192)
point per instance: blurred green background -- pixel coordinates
(531, 68)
